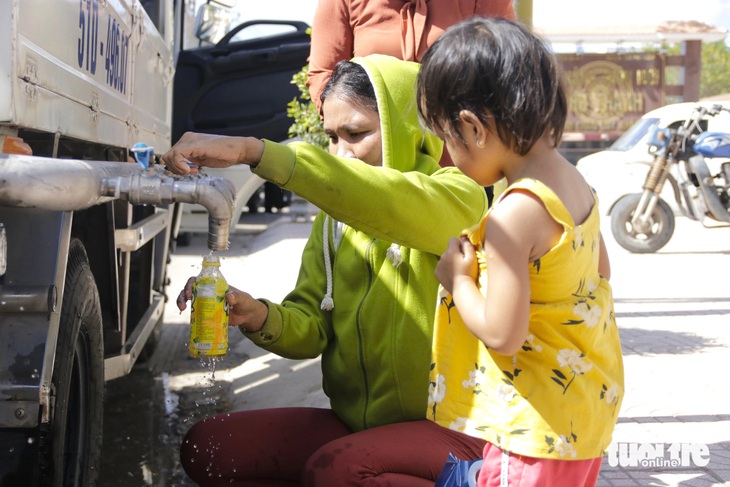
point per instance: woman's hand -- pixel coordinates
(194, 150)
(458, 262)
(243, 310)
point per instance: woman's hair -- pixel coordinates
(493, 68)
(350, 81)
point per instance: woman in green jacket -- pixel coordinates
(365, 296)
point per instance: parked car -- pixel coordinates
(621, 169)
(241, 85)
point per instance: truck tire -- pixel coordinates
(75, 430)
(641, 241)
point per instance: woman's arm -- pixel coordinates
(413, 209)
(211, 151)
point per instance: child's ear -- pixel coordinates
(473, 128)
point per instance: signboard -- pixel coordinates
(607, 93)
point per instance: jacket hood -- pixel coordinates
(395, 89)
(394, 83)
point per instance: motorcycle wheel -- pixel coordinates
(654, 236)
(75, 431)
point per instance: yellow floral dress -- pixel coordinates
(559, 396)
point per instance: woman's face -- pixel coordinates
(353, 130)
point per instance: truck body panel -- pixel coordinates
(88, 75)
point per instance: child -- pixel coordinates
(530, 359)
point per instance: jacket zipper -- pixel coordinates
(359, 333)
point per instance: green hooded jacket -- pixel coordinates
(376, 341)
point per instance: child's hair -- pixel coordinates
(351, 81)
(493, 68)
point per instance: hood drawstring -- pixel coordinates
(327, 302)
(393, 254)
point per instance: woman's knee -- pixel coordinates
(336, 463)
(194, 452)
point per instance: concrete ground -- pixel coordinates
(673, 309)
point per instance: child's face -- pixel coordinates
(353, 130)
(478, 154)
(463, 157)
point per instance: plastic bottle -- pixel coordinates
(209, 313)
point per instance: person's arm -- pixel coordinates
(604, 264)
(295, 329)
(211, 151)
(413, 209)
(513, 232)
(332, 41)
(495, 8)
(298, 328)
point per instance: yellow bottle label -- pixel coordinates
(209, 318)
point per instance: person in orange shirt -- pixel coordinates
(343, 29)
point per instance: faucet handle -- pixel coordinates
(142, 153)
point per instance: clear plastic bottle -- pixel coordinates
(209, 311)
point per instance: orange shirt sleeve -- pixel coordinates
(332, 41)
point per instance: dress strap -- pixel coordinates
(552, 203)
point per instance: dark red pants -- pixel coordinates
(312, 447)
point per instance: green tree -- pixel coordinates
(715, 73)
(307, 123)
(715, 76)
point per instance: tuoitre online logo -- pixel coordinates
(658, 455)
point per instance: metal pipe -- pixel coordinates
(70, 184)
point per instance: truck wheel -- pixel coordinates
(649, 238)
(78, 379)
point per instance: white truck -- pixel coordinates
(85, 232)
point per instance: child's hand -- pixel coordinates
(458, 262)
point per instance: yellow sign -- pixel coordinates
(608, 93)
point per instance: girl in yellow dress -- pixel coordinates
(526, 352)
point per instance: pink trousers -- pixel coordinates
(312, 447)
(501, 469)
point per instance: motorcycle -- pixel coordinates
(644, 222)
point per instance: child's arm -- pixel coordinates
(517, 231)
(604, 264)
